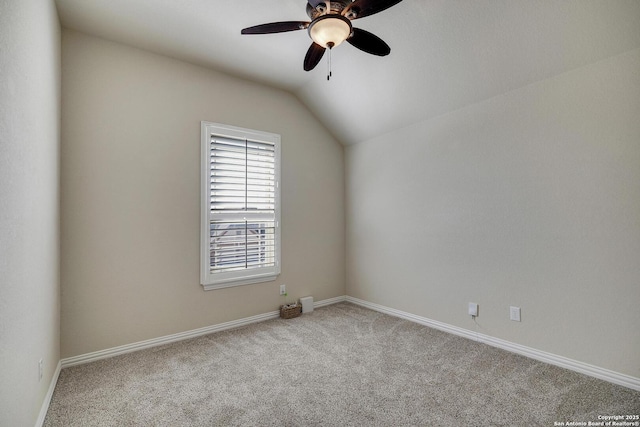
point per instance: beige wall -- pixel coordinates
(29, 206)
(529, 199)
(131, 202)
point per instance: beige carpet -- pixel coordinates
(342, 365)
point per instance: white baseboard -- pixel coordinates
(47, 398)
(552, 359)
(329, 301)
(167, 339)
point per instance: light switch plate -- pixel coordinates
(514, 313)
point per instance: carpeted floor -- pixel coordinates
(342, 365)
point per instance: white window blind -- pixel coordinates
(240, 227)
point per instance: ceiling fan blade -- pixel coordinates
(363, 8)
(368, 42)
(276, 27)
(313, 56)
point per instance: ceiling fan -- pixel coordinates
(331, 25)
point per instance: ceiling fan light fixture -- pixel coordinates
(330, 30)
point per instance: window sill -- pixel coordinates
(239, 282)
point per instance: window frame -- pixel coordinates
(226, 279)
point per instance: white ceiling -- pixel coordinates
(445, 54)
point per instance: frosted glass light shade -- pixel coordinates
(330, 29)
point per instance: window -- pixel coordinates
(240, 219)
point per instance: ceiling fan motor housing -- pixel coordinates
(336, 7)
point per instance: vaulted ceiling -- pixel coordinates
(445, 54)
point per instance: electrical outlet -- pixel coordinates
(473, 309)
(283, 289)
(40, 369)
(514, 313)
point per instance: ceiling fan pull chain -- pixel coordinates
(329, 45)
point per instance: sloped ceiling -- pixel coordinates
(445, 54)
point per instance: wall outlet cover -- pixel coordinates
(473, 309)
